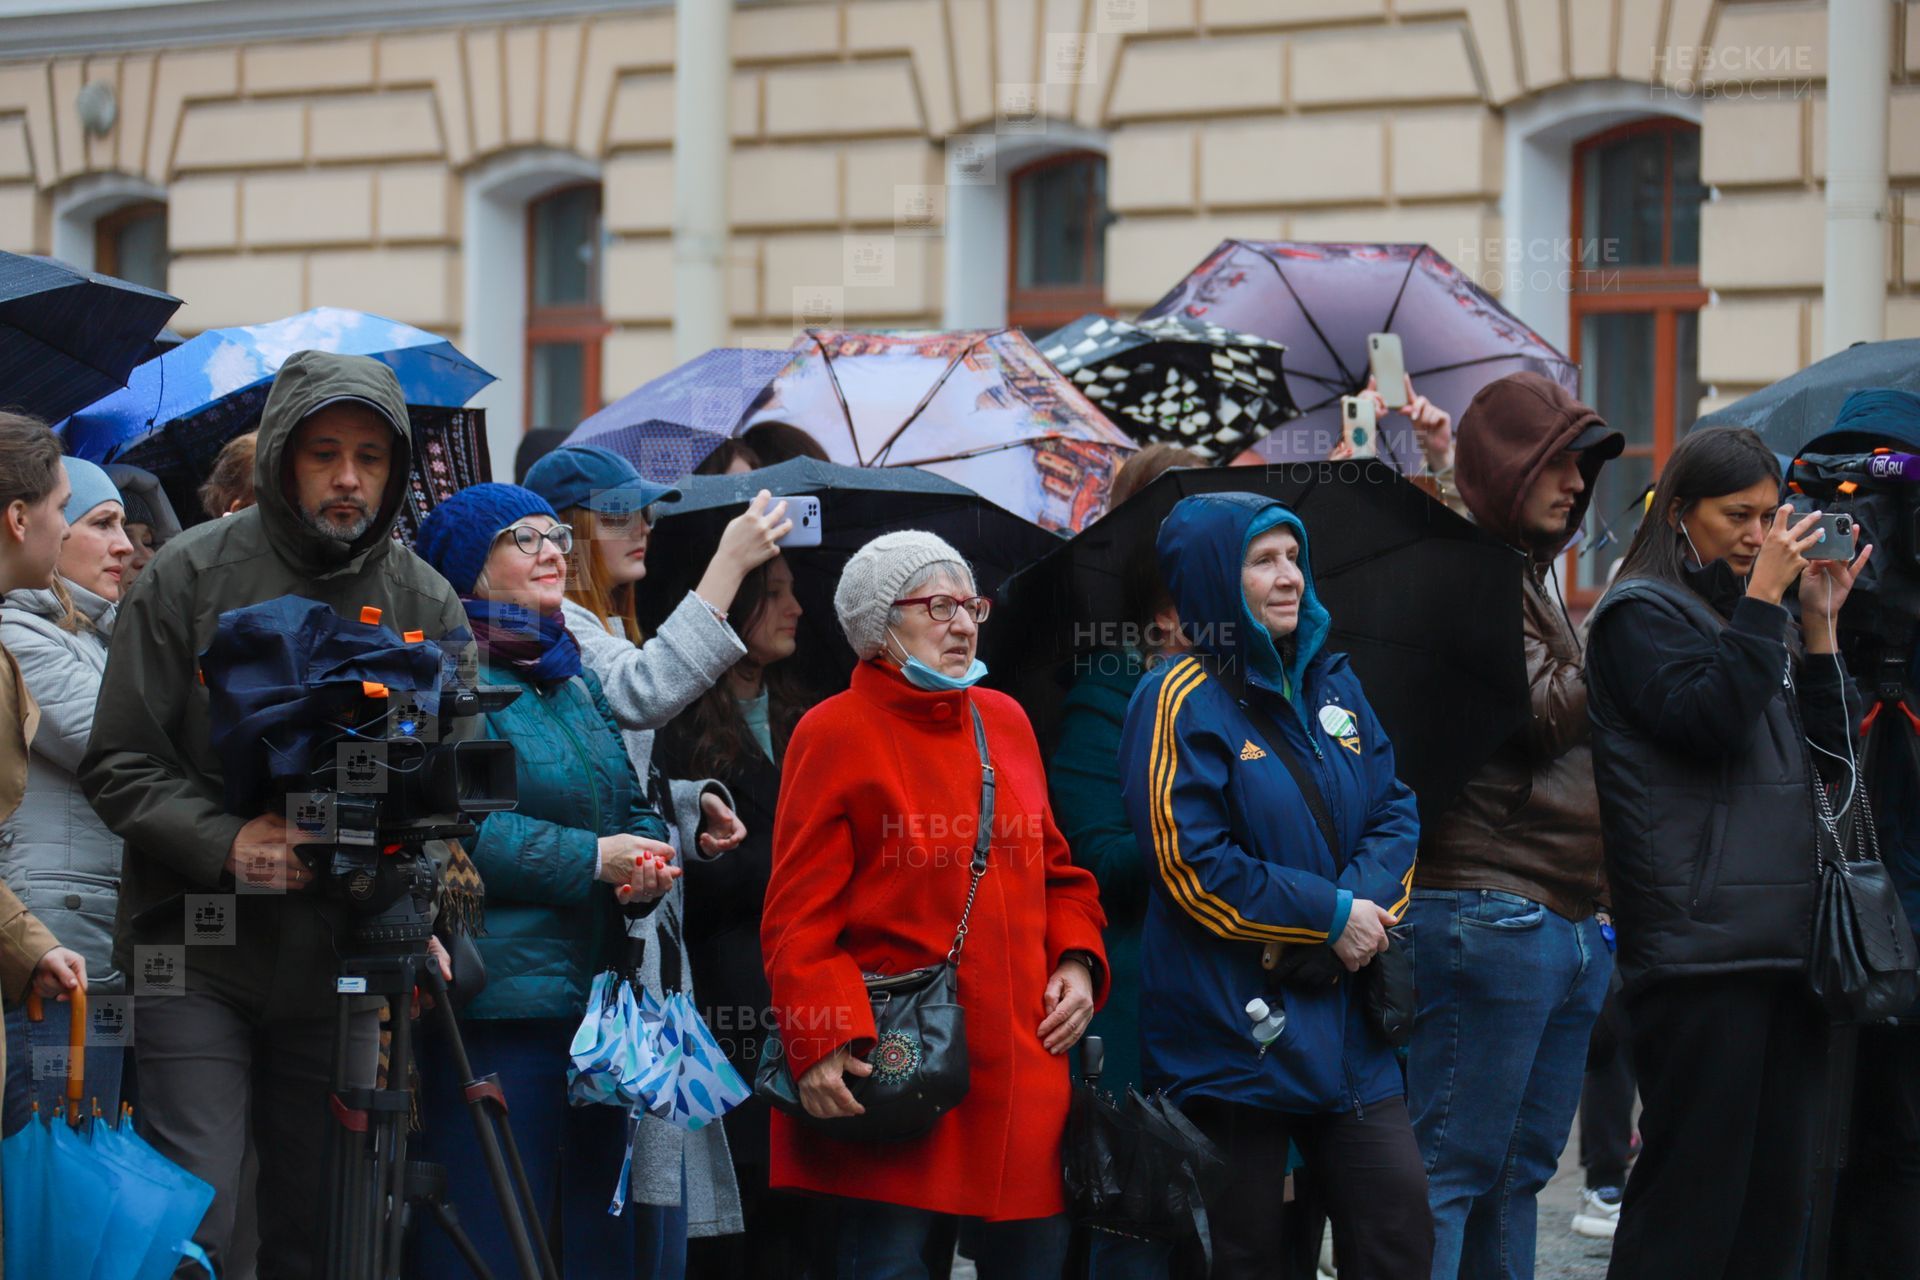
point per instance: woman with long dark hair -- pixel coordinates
(736, 733)
(1714, 718)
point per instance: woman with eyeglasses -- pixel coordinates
(582, 843)
(609, 507)
(880, 803)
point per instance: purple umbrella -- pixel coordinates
(668, 426)
(1322, 300)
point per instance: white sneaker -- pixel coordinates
(1598, 1214)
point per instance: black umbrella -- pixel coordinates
(1172, 380)
(69, 337)
(857, 505)
(1425, 604)
(1794, 410)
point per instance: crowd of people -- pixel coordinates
(1217, 818)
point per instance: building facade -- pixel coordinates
(1641, 180)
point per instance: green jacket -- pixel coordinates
(550, 925)
(150, 769)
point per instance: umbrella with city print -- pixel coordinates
(981, 407)
(1171, 380)
(1322, 300)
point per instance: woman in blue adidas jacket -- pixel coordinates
(1241, 863)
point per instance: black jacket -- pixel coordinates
(724, 900)
(1700, 720)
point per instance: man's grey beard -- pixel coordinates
(328, 529)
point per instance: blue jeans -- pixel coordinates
(885, 1242)
(1507, 993)
(572, 1156)
(37, 1070)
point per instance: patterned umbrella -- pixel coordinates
(1322, 300)
(666, 427)
(981, 407)
(1176, 381)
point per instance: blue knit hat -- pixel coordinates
(91, 487)
(457, 535)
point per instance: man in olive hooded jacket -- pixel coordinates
(224, 1016)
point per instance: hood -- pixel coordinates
(1513, 427)
(1202, 545)
(308, 381)
(41, 602)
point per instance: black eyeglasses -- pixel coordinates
(528, 538)
(942, 608)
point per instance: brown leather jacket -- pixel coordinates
(1529, 822)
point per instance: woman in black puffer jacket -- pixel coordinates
(1710, 708)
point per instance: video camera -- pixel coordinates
(366, 751)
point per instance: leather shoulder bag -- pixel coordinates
(919, 1057)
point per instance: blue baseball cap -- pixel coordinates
(597, 479)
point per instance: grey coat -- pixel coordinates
(60, 858)
(646, 687)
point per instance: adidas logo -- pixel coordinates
(1251, 752)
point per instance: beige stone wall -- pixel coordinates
(332, 171)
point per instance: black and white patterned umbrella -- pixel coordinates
(1170, 380)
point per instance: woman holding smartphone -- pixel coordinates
(1714, 718)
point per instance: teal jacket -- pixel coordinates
(550, 925)
(1084, 781)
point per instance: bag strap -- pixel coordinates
(982, 838)
(1309, 789)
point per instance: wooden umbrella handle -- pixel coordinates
(76, 1047)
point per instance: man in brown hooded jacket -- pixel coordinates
(1510, 961)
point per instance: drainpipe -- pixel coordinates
(1859, 34)
(702, 137)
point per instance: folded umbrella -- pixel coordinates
(704, 1085)
(1425, 604)
(69, 337)
(1322, 300)
(1177, 381)
(857, 505)
(666, 427)
(981, 407)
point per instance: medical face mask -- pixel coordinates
(922, 676)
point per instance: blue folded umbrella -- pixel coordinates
(159, 1207)
(59, 1195)
(210, 371)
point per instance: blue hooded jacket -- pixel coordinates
(1238, 857)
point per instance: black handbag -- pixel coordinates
(1384, 984)
(1861, 964)
(919, 1058)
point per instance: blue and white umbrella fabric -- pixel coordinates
(221, 366)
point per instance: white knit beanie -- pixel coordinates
(876, 576)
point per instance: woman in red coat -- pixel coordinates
(879, 801)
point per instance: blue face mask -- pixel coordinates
(922, 676)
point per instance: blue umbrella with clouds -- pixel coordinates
(228, 371)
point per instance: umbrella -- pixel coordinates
(1177, 381)
(69, 337)
(704, 1086)
(232, 369)
(667, 426)
(1322, 300)
(856, 505)
(1795, 409)
(978, 406)
(1426, 605)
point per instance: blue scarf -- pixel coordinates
(546, 657)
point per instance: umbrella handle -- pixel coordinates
(76, 1047)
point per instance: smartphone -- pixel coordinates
(1357, 426)
(804, 511)
(1389, 368)
(1838, 532)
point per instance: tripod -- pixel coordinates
(374, 1190)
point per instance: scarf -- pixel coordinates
(546, 657)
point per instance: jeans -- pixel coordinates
(37, 1065)
(1508, 994)
(885, 1242)
(572, 1156)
